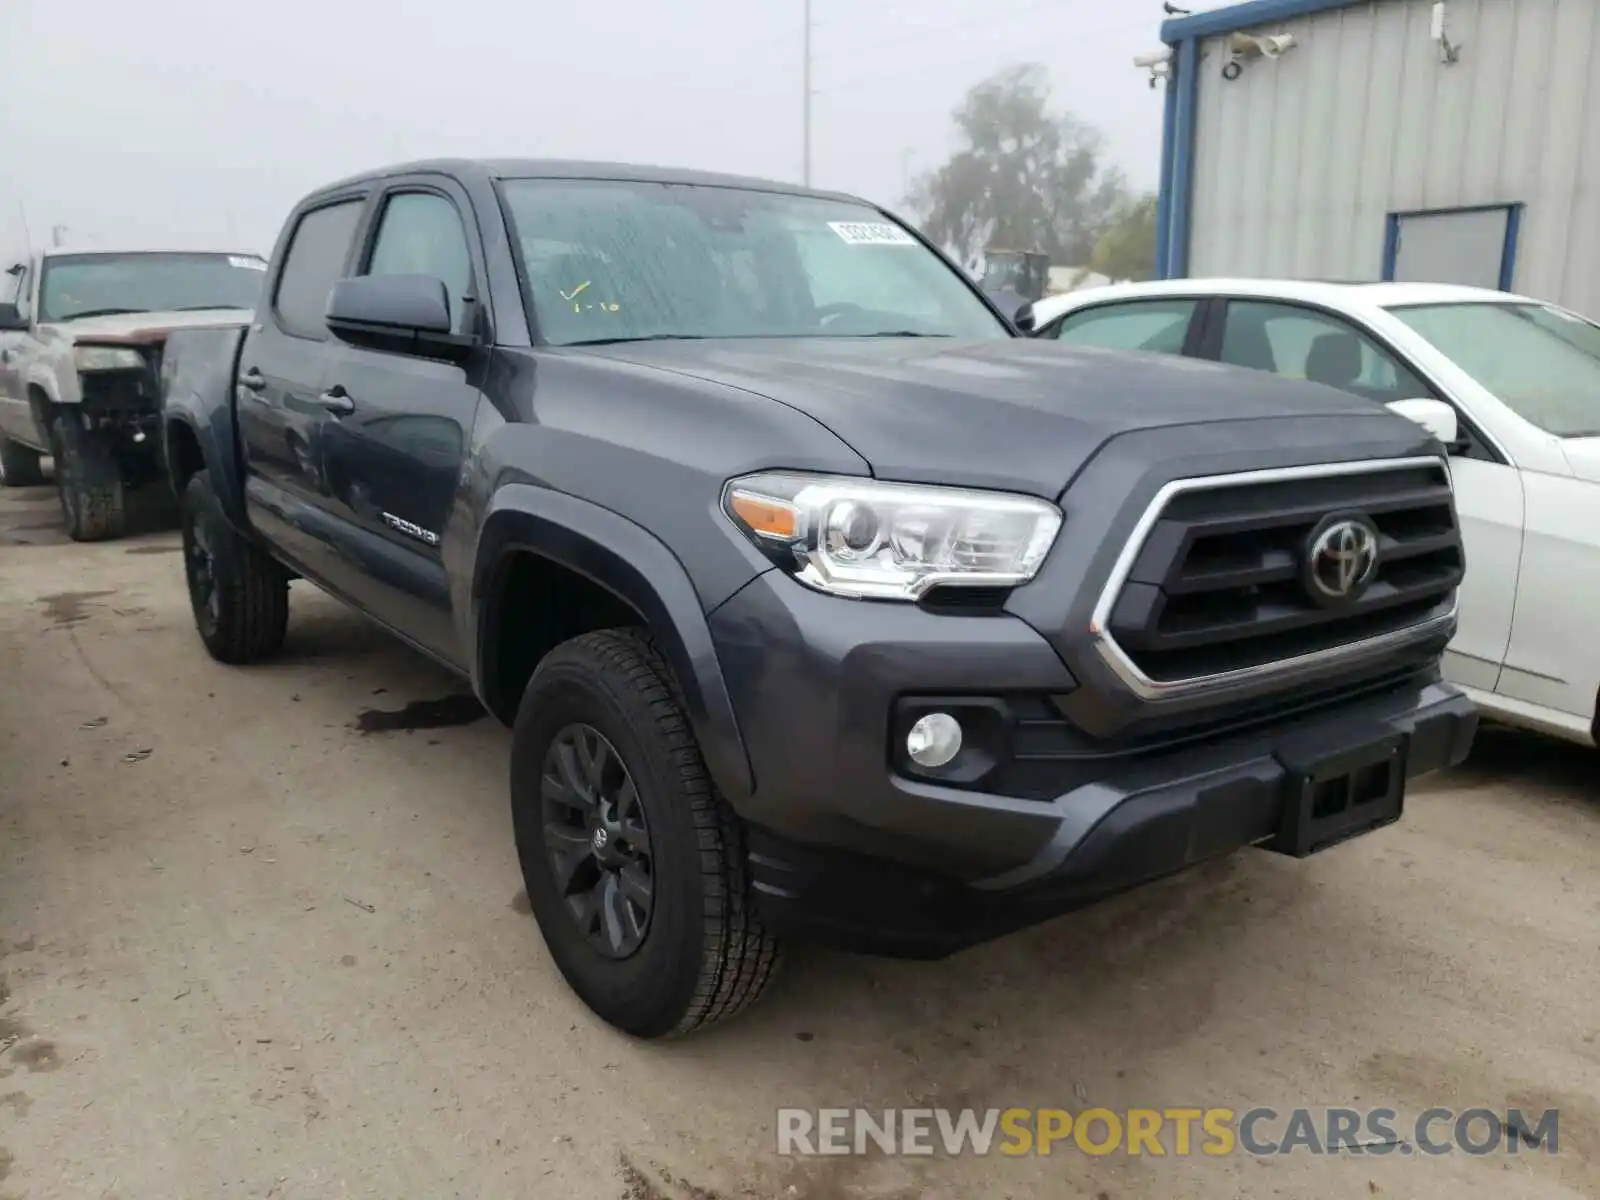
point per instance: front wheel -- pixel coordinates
(19, 465)
(239, 594)
(634, 864)
(88, 481)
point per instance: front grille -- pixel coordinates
(1220, 581)
(117, 392)
(133, 390)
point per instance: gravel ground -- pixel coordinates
(261, 937)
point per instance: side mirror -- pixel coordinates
(406, 314)
(1024, 319)
(11, 319)
(1437, 417)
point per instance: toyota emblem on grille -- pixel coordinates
(1341, 559)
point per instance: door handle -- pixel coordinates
(253, 379)
(337, 400)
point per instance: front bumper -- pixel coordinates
(846, 844)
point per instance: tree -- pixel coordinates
(1127, 248)
(1023, 178)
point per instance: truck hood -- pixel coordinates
(1020, 414)
(145, 326)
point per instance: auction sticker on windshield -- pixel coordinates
(872, 233)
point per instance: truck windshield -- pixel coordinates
(614, 260)
(1542, 361)
(81, 285)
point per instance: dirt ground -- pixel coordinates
(261, 937)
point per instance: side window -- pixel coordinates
(1159, 326)
(314, 261)
(420, 233)
(1302, 343)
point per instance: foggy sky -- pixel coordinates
(200, 122)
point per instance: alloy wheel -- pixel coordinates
(598, 840)
(200, 563)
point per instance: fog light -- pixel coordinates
(934, 740)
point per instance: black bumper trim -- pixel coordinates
(1110, 836)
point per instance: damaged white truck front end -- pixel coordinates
(80, 360)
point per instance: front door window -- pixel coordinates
(1304, 343)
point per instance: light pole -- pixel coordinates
(805, 99)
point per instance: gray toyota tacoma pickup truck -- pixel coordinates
(819, 601)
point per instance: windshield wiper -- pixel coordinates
(101, 312)
(641, 337)
(888, 333)
(202, 307)
(704, 337)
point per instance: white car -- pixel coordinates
(1523, 378)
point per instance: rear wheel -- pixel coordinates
(240, 595)
(635, 866)
(88, 480)
(19, 465)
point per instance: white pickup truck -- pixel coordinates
(80, 363)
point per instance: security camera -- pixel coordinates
(1250, 45)
(1158, 63)
(1243, 47)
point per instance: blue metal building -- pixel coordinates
(1386, 139)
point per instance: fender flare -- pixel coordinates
(41, 380)
(216, 452)
(635, 566)
(201, 402)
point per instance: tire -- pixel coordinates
(239, 595)
(19, 465)
(89, 482)
(704, 954)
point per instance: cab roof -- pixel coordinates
(1333, 294)
(494, 169)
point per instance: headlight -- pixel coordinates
(888, 541)
(106, 358)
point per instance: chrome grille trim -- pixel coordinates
(1287, 669)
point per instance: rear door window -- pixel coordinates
(1158, 326)
(318, 251)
